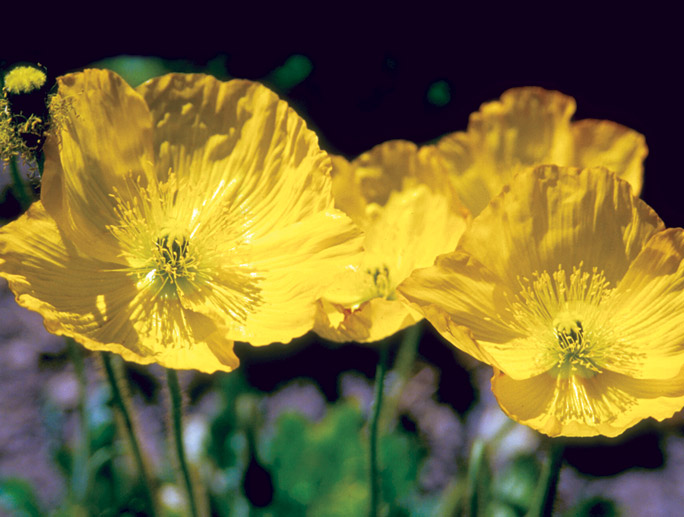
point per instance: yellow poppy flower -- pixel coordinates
(176, 218)
(400, 196)
(571, 288)
(528, 127)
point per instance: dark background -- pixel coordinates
(373, 64)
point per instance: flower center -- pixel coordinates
(562, 314)
(171, 259)
(574, 351)
(381, 280)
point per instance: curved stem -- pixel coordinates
(545, 493)
(120, 397)
(375, 488)
(177, 429)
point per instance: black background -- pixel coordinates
(373, 64)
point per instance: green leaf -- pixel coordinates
(595, 507)
(321, 468)
(516, 485)
(291, 73)
(439, 94)
(134, 69)
(19, 497)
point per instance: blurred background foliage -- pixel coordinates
(286, 434)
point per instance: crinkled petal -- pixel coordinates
(465, 302)
(527, 126)
(347, 191)
(475, 184)
(102, 139)
(602, 143)
(607, 403)
(553, 216)
(412, 216)
(288, 271)
(647, 310)
(413, 228)
(238, 142)
(398, 165)
(372, 321)
(99, 304)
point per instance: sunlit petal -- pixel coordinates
(182, 216)
(571, 288)
(607, 403)
(411, 214)
(98, 304)
(102, 139)
(528, 127)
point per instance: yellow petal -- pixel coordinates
(101, 142)
(289, 269)
(553, 216)
(607, 403)
(526, 127)
(397, 165)
(372, 321)
(529, 127)
(347, 191)
(647, 308)
(465, 303)
(412, 214)
(476, 184)
(601, 143)
(242, 145)
(99, 304)
(384, 169)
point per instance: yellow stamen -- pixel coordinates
(561, 314)
(171, 247)
(381, 280)
(24, 79)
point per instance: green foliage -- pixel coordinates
(439, 94)
(291, 73)
(221, 449)
(137, 69)
(321, 468)
(515, 486)
(18, 498)
(594, 507)
(134, 69)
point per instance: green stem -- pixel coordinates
(18, 187)
(375, 488)
(40, 162)
(177, 429)
(81, 475)
(403, 370)
(545, 493)
(475, 487)
(121, 401)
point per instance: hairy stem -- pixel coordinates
(122, 403)
(177, 430)
(375, 488)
